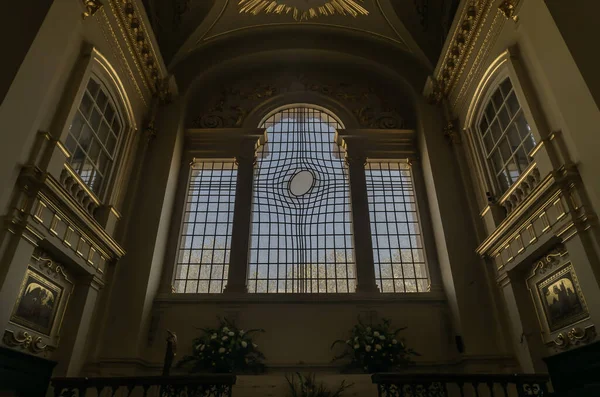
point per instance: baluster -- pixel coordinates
(543, 389)
(130, 389)
(461, 386)
(146, 387)
(504, 385)
(490, 386)
(476, 388)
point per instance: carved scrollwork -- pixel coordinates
(209, 121)
(232, 106)
(574, 337)
(25, 340)
(552, 258)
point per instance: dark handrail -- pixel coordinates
(398, 384)
(212, 384)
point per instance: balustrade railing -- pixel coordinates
(459, 385)
(207, 385)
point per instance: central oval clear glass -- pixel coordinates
(301, 183)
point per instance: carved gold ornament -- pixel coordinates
(26, 341)
(91, 7)
(303, 10)
(508, 9)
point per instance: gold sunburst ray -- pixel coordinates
(320, 8)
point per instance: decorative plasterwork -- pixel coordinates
(91, 7)
(312, 8)
(574, 337)
(508, 8)
(462, 40)
(136, 34)
(235, 102)
(452, 132)
(25, 340)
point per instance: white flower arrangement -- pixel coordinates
(369, 349)
(224, 349)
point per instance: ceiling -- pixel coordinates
(415, 26)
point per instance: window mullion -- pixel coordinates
(242, 221)
(363, 244)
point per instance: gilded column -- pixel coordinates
(363, 245)
(242, 217)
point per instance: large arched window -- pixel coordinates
(301, 239)
(505, 135)
(284, 223)
(95, 134)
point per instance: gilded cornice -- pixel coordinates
(120, 54)
(464, 42)
(139, 43)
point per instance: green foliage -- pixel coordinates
(306, 386)
(375, 348)
(223, 350)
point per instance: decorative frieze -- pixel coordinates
(136, 34)
(463, 38)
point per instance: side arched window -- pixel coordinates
(95, 136)
(505, 135)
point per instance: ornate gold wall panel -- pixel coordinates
(37, 317)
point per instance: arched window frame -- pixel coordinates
(212, 144)
(95, 66)
(504, 66)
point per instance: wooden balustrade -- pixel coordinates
(200, 385)
(460, 385)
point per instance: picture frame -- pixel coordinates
(561, 298)
(37, 303)
(559, 302)
(40, 305)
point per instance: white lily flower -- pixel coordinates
(254, 345)
(382, 337)
(244, 344)
(394, 341)
(201, 347)
(368, 348)
(213, 336)
(377, 347)
(242, 332)
(225, 337)
(375, 333)
(356, 346)
(222, 350)
(231, 333)
(225, 329)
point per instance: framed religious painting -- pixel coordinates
(40, 305)
(559, 300)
